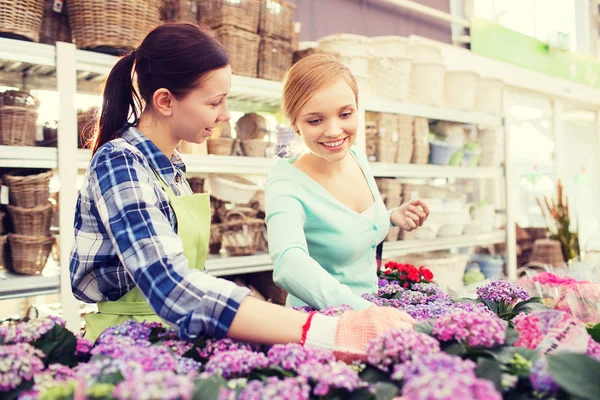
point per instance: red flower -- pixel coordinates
(427, 274)
(405, 285)
(387, 272)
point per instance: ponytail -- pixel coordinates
(120, 101)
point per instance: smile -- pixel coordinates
(335, 144)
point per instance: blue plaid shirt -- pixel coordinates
(125, 235)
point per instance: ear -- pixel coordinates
(296, 129)
(162, 101)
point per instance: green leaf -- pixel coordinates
(386, 391)
(359, 394)
(374, 375)
(491, 305)
(59, 346)
(528, 354)
(503, 354)
(507, 316)
(511, 336)
(594, 332)
(273, 370)
(530, 305)
(208, 388)
(454, 348)
(425, 327)
(16, 392)
(577, 374)
(490, 369)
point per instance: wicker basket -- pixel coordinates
(222, 146)
(28, 191)
(3, 262)
(394, 46)
(29, 254)
(345, 44)
(240, 235)
(424, 53)
(263, 282)
(242, 14)
(277, 19)
(214, 245)
(196, 184)
(34, 221)
(111, 26)
(254, 147)
(17, 125)
(21, 19)
(179, 11)
(461, 89)
(85, 126)
(490, 96)
(427, 83)
(300, 54)
(274, 59)
(242, 48)
(390, 77)
(55, 25)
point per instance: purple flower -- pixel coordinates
(139, 332)
(291, 356)
(84, 347)
(540, 378)
(276, 389)
(216, 346)
(382, 282)
(179, 347)
(187, 365)
(473, 329)
(151, 358)
(18, 362)
(26, 332)
(502, 292)
(332, 311)
(236, 363)
(430, 289)
(399, 345)
(389, 290)
(305, 309)
(449, 386)
(91, 371)
(593, 349)
(165, 385)
(54, 375)
(336, 375)
(432, 363)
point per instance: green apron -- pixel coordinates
(193, 228)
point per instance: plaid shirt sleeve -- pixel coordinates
(152, 253)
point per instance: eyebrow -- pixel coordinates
(319, 113)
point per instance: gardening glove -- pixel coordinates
(349, 334)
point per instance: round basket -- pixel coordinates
(427, 83)
(240, 235)
(85, 126)
(345, 44)
(214, 245)
(424, 53)
(222, 146)
(390, 77)
(21, 19)
(17, 125)
(254, 147)
(2, 252)
(31, 221)
(548, 252)
(251, 126)
(111, 26)
(490, 95)
(240, 13)
(358, 64)
(28, 190)
(196, 184)
(395, 46)
(29, 254)
(234, 189)
(55, 25)
(461, 90)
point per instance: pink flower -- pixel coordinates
(475, 329)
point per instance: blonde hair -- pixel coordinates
(309, 75)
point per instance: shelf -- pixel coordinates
(224, 265)
(28, 157)
(15, 286)
(376, 104)
(402, 247)
(433, 171)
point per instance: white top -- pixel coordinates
(369, 213)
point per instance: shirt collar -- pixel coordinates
(167, 168)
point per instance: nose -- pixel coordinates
(224, 115)
(334, 129)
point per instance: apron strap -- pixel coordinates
(125, 308)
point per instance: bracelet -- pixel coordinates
(306, 327)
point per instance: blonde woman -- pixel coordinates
(325, 216)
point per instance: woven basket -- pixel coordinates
(29, 254)
(345, 44)
(3, 262)
(242, 14)
(55, 25)
(548, 252)
(427, 83)
(196, 184)
(490, 96)
(17, 125)
(394, 46)
(390, 77)
(274, 59)
(85, 126)
(222, 146)
(28, 191)
(461, 89)
(424, 53)
(214, 245)
(179, 11)
(21, 19)
(111, 26)
(254, 147)
(240, 235)
(34, 221)
(242, 48)
(277, 19)
(263, 282)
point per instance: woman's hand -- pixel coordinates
(409, 216)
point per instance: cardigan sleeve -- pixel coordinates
(294, 269)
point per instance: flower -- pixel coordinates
(305, 309)
(26, 332)
(138, 331)
(151, 358)
(291, 356)
(432, 363)
(474, 329)
(179, 347)
(502, 292)
(92, 371)
(53, 375)
(382, 282)
(593, 349)
(276, 389)
(537, 325)
(333, 311)
(448, 386)
(165, 385)
(216, 346)
(399, 345)
(236, 363)
(84, 347)
(186, 365)
(540, 378)
(335, 375)
(18, 363)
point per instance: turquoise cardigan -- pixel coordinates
(323, 252)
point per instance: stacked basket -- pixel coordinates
(18, 116)
(55, 25)
(21, 19)
(276, 29)
(31, 214)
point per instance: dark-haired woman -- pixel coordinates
(141, 236)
